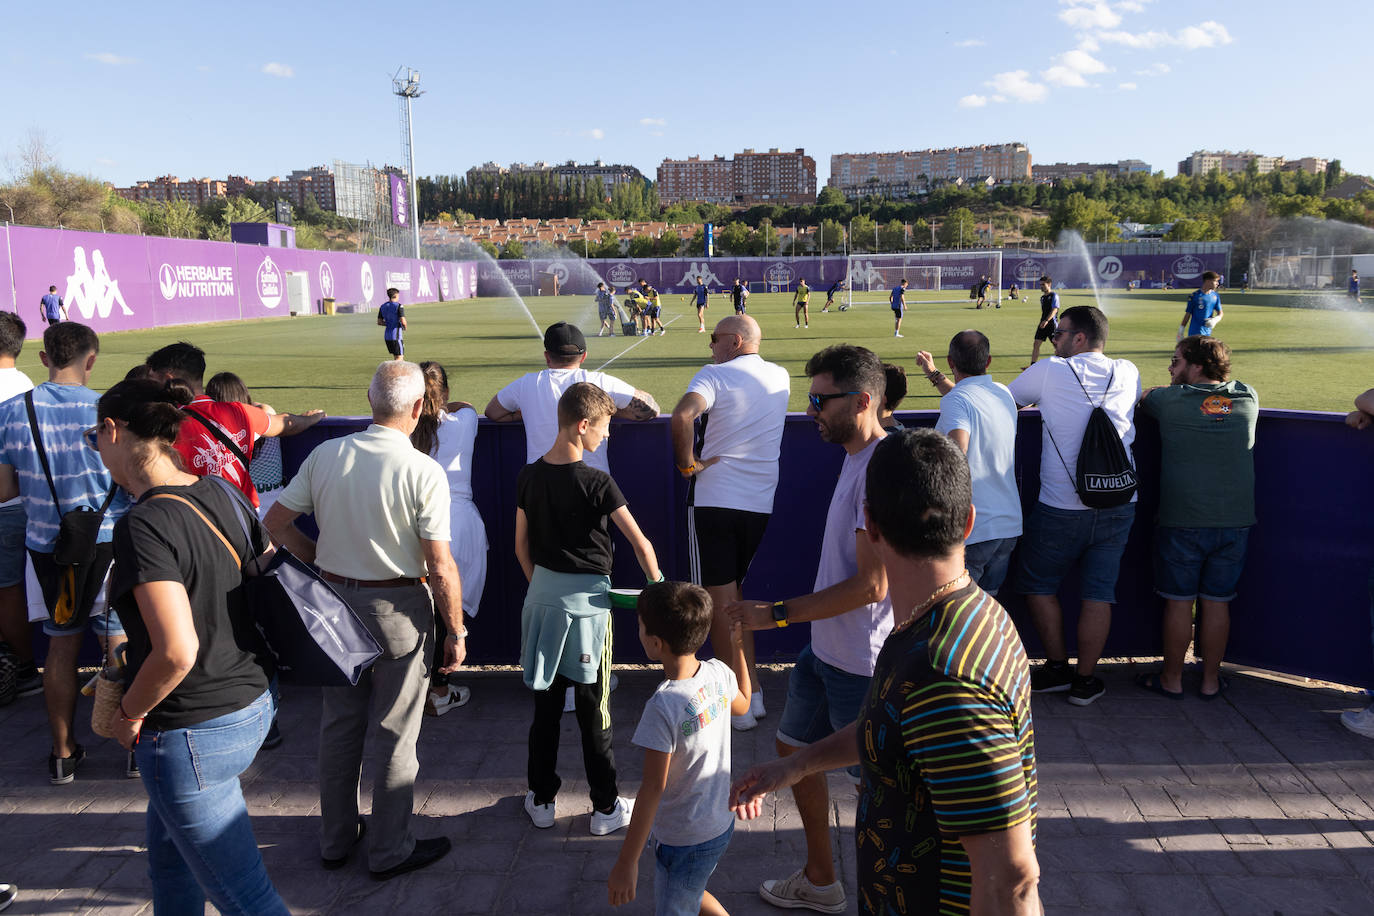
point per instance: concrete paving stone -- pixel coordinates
(1351, 838)
(1057, 891)
(1305, 805)
(1059, 824)
(1168, 895)
(1068, 772)
(1155, 774)
(1152, 801)
(102, 904)
(1098, 810)
(1220, 775)
(1214, 801)
(1197, 846)
(1261, 894)
(533, 887)
(1129, 855)
(1102, 893)
(1295, 833)
(1240, 831)
(1280, 778)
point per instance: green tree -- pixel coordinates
(830, 236)
(959, 229)
(668, 245)
(1092, 219)
(609, 246)
(734, 238)
(892, 236)
(764, 240)
(642, 246)
(488, 248)
(1204, 229)
(180, 220)
(513, 250)
(920, 234)
(863, 234)
(1037, 229)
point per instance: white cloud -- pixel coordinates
(1088, 15)
(970, 43)
(1070, 68)
(1088, 44)
(1157, 69)
(1127, 86)
(653, 122)
(595, 133)
(973, 101)
(1017, 85)
(1132, 6)
(1064, 76)
(1203, 35)
(272, 68)
(114, 60)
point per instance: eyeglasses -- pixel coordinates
(1058, 331)
(715, 338)
(92, 437)
(818, 400)
(1175, 361)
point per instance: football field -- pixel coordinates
(1296, 357)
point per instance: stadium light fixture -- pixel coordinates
(408, 89)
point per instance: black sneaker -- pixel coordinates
(1085, 690)
(131, 767)
(1052, 677)
(62, 770)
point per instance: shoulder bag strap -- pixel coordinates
(42, 453)
(218, 432)
(211, 525)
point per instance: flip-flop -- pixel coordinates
(1222, 684)
(1152, 683)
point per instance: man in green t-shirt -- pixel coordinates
(1206, 506)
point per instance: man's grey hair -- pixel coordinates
(396, 386)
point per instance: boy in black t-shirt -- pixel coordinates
(563, 543)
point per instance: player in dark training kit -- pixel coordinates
(392, 316)
(1049, 316)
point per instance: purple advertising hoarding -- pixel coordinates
(122, 282)
(400, 201)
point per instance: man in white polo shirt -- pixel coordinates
(383, 512)
(980, 416)
(742, 400)
(533, 398)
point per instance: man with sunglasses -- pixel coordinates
(733, 472)
(849, 611)
(1060, 529)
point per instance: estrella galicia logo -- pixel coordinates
(1109, 268)
(326, 280)
(779, 273)
(367, 283)
(622, 275)
(1030, 269)
(1187, 267)
(443, 282)
(269, 283)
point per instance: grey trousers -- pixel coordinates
(391, 693)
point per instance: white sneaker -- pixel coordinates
(745, 722)
(796, 892)
(540, 815)
(756, 705)
(569, 703)
(796, 325)
(895, 334)
(701, 330)
(603, 824)
(438, 705)
(1361, 722)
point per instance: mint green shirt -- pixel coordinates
(1207, 473)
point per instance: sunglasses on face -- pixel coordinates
(1058, 332)
(92, 437)
(818, 400)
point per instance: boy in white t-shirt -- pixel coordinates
(685, 733)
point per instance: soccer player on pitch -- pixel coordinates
(1203, 310)
(700, 292)
(392, 316)
(830, 296)
(898, 297)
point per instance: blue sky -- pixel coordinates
(135, 90)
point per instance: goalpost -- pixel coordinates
(941, 276)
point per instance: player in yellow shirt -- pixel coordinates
(800, 313)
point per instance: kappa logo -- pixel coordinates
(862, 274)
(703, 270)
(270, 283)
(1109, 268)
(326, 280)
(92, 291)
(192, 281)
(424, 291)
(366, 277)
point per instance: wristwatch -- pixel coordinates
(457, 636)
(779, 614)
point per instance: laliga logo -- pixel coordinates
(1109, 268)
(1030, 269)
(779, 273)
(326, 280)
(1187, 267)
(367, 282)
(269, 283)
(621, 275)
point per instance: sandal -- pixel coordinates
(1151, 682)
(1222, 684)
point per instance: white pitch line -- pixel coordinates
(629, 348)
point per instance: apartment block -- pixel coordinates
(908, 172)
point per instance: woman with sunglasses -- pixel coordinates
(196, 704)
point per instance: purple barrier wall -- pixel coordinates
(1303, 604)
(123, 282)
(676, 275)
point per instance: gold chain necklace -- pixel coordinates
(924, 606)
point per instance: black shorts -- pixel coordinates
(722, 543)
(396, 347)
(69, 600)
(1046, 332)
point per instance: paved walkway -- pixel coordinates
(1259, 803)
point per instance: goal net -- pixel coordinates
(945, 276)
(770, 286)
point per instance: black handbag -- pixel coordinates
(79, 530)
(314, 635)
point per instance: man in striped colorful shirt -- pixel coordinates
(947, 806)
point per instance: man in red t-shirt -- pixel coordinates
(205, 436)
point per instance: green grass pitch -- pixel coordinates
(1296, 358)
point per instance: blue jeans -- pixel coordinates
(200, 842)
(13, 522)
(1199, 562)
(821, 700)
(1055, 539)
(681, 873)
(987, 562)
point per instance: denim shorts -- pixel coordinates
(987, 562)
(821, 700)
(681, 873)
(1055, 539)
(1199, 562)
(13, 521)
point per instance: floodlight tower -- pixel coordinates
(408, 89)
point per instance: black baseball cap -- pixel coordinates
(563, 339)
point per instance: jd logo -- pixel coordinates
(1109, 268)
